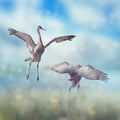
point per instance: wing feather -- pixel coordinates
(90, 72)
(64, 67)
(64, 38)
(25, 37)
(60, 39)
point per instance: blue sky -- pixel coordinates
(96, 25)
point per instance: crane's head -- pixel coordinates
(39, 27)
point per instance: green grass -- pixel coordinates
(56, 105)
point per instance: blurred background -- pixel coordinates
(96, 25)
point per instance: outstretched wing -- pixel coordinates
(90, 72)
(64, 67)
(25, 37)
(60, 39)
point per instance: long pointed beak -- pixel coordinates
(43, 29)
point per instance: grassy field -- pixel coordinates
(57, 105)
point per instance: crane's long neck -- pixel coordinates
(40, 39)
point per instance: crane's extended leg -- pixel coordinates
(38, 71)
(28, 71)
(78, 87)
(70, 88)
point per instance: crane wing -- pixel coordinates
(60, 39)
(64, 38)
(25, 37)
(90, 72)
(64, 67)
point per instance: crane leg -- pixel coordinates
(70, 88)
(78, 87)
(28, 71)
(38, 71)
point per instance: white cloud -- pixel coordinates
(25, 16)
(93, 14)
(115, 17)
(13, 54)
(87, 15)
(96, 50)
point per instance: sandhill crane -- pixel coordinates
(36, 49)
(77, 72)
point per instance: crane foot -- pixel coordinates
(37, 78)
(27, 77)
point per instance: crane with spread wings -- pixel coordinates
(37, 49)
(77, 72)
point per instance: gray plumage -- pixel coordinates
(77, 72)
(36, 49)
